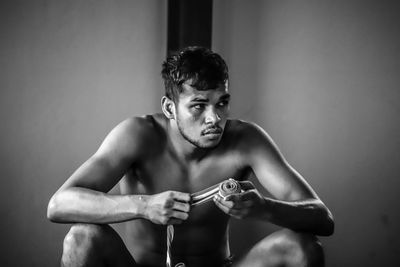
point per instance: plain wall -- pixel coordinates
(322, 77)
(70, 71)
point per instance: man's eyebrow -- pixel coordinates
(199, 99)
(205, 100)
(225, 97)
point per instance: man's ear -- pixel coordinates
(168, 107)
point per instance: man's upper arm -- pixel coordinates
(272, 170)
(119, 150)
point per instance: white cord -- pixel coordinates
(170, 237)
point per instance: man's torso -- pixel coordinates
(204, 233)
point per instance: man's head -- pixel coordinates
(196, 95)
(205, 69)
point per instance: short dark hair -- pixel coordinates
(205, 68)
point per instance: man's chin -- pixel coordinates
(210, 141)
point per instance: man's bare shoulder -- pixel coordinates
(142, 125)
(248, 135)
(244, 129)
(146, 128)
(135, 136)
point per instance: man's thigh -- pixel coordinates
(284, 248)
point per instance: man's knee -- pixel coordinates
(84, 245)
(298, 249)
(84, 236)
(95, 245)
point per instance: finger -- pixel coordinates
(180, 206)
(232, 197)
(228, 204)
(180, 196)
(242, 205)
(237, 204)
(180, 215)
(218, 203)
(236, 213)
(223, 201)
(246, 185)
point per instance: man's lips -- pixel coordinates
(212, 131)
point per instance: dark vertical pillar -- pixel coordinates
(189, 23)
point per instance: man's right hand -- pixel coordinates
(170, 207)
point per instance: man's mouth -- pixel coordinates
(212, 131)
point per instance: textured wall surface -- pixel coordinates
(322, 77)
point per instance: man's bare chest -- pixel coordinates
(166, 172)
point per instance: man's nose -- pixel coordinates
(212, 116)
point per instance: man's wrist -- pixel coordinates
(267, 208)
(138, 206)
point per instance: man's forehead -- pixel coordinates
(191, 92)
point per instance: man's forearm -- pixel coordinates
(307, 215)
(77, 204)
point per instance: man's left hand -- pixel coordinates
(246, 204)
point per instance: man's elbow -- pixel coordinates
(53, 210)
(327, 227)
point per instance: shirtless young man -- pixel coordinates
(163, 158)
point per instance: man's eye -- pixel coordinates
(223, 103)
(198, 107)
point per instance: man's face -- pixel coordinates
(201, 115)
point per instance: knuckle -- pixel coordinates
(230, 205)
(168, 203)
(165, 213)
(184, 207)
